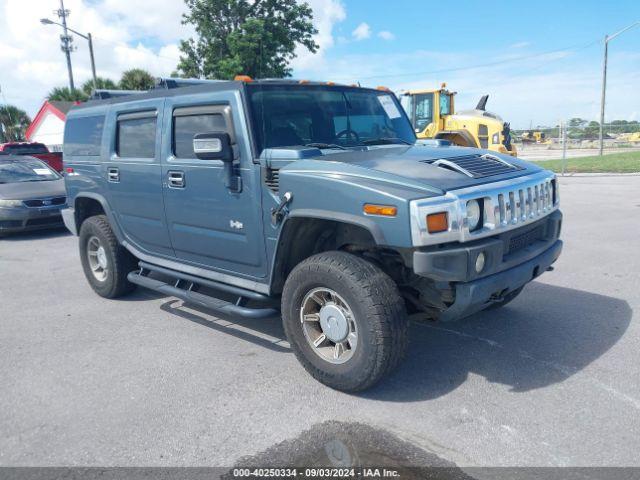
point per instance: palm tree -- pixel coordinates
(100, 84)
(65, 94)
(13, 123)
(137, 79)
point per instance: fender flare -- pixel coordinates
(366, 223)
(464, 134)
(107, 210)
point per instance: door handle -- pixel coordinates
(113, 174)
(175, 179)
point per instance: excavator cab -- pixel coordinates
(433, 116)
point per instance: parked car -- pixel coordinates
(314, 197)
(34, 149)
(31, 195)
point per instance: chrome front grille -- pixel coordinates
(506, 205)
(521, 204)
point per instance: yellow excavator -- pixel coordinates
(432, 114)
(532, 136)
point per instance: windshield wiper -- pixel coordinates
(385, 141)
(321, 145)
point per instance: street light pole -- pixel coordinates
(93, 62)
(66, 42)
(87, 37)
(607, 39)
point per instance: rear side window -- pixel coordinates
(185, 126)
(136, 136)
(83, 135)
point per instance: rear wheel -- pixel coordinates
(345, 320)
(105, 262)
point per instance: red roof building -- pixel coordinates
(48, 125)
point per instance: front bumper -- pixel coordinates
(69, 218)
(512, 259)
(25, 219)
(474, 296)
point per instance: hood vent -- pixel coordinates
(476, 166)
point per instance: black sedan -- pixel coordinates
(31, 194)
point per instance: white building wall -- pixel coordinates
(50, 132)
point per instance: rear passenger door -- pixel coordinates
(134, 175)
(209, 224)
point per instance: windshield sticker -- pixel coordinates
(389, 106)
(42, 171)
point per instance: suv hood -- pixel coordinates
(415, 163)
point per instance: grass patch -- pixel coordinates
(627, 162)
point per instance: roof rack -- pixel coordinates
(169, 83)
(105, 94)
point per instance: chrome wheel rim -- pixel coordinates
(329, 325)
(97, 257)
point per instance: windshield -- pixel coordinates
(25, 170)
(326, 117)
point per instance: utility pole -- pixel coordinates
(607, 39)
(563, 126)
(66, 41)
(93, 62)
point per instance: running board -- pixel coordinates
(185, 291)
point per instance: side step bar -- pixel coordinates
(186, 291)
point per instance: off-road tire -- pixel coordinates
(509, 297)
(120, 262)
(379, 312)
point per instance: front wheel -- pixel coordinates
(345, 320)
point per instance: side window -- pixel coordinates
(83, 135)
(136, 135)
(186, 126)
(445, 104)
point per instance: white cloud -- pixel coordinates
(326, 14)
(520, 45)
(362, 31)
(386, 35)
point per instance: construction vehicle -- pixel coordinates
(432, 114)
(532, 136)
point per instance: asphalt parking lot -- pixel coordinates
(553, 379)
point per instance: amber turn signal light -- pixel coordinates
(437, 222)
(384, 210)
(243, 78)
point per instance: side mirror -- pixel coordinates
(213, 146)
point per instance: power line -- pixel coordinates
(482, 65)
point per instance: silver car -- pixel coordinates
(31, 195)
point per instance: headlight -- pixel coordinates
(473, 214)
(10, 203)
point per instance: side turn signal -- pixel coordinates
(384, 210)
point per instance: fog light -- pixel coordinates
(480, 259)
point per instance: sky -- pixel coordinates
(539, 62)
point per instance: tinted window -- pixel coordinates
(298, 115)
(185, 127)
(83, 135)
(25, 170)
(424, 111)
(137, 138)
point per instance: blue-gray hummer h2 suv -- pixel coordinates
(312, 199)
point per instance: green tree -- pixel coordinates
(137, 79)
(13, 123)
(256, 38)
(65, 94)
(102, 84)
